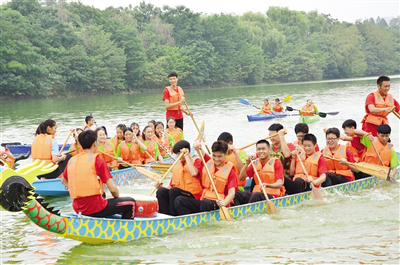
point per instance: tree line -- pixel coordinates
(55, 48)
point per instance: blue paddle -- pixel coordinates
(245, 102)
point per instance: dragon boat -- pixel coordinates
(54, 187)
(18, 148)
(16, 194)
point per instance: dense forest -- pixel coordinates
(55, 48)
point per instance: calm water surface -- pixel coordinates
(360, 227)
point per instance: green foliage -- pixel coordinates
(55, 47)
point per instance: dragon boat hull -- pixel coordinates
(263, 117)
(18, 149)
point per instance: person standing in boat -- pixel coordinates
(314, 164)
(85, 176)
(309, 109)
(277, 106)
(173, 98)
(270, 170)
(185, 180)
(225, 179)
(45, 148)
(378, 105)
(266, 108)
(89, 123)
(338, 171)
(236, 157)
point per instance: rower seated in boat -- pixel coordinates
(266, 108)
(129, 149)
(224, 177)
(270, 170)
(277, 106)
(309, 109)
(185, 181)
(84, 176)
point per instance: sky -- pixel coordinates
(343, 10)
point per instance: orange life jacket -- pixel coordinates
(175, 96)
(41, 148)
(385, 151)
(277, 108)
(220, 179)
(131, 155)
(307, 108)
(380, 117)
(163, 145)
(115, 141)
(266, 109)
(151, 149)
(267, 175)
(310, 164)
(181, 178)
(231, 158)
(78, 149)
(334, 166)
(108, 148)
(356, 154)
(82, 177)
(176, 134)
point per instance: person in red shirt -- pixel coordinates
(270, 171)
(185, 181)
(314, 163)
(173, 97)
(225, 179)
(338, 171)
(378, 106)
(84, 176)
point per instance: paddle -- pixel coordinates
(270, 205)
(321, 114)
(223, 211)
(367, 168)
(266, 138)
(395, 113)
(380, 159)
(141, 170)
(315, 192)
(13, 143)
(197, 127)
(66, 140)
(169, 170)
(160, 144)
(245, 102)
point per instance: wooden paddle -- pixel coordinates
(66, 140)
(370, 169)
(315, 192)
(141, 170)
(266, 138)
(195, 124)
(169, 170)
(395, 113)
(223, 211)
(270, 205)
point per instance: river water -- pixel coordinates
(353, 228)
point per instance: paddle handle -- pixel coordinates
(66, 140)
(304, 169)
(259, 180)
(266, 138)
(116, 158)
(169, 170)
(377, 153)
(147, 153)
(208, 173)
(338, 160)
(197, 127)
(395, 113)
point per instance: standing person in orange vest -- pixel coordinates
(338, 172)
(85, 176)
(45, 148)
(225, 179)
(89, 123)
(173, 97)
(270, 170)
(378, 105)
(236, 157)
(185, 180)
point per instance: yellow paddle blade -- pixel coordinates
(200, 136)
(316, 194)
(150, 174)
(271, 209)
(225, 214)
(287, 99)
(373, 169)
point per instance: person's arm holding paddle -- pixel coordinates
(284, 146)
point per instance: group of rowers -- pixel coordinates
(309, 109)
(284, 168)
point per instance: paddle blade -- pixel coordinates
(271, 209)
(225, 214)
(322, 114)
(287, 99)
(316, 194)
(289, 108)
(333, 113)
(373, 169)
(148, 173)
(245, 102)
